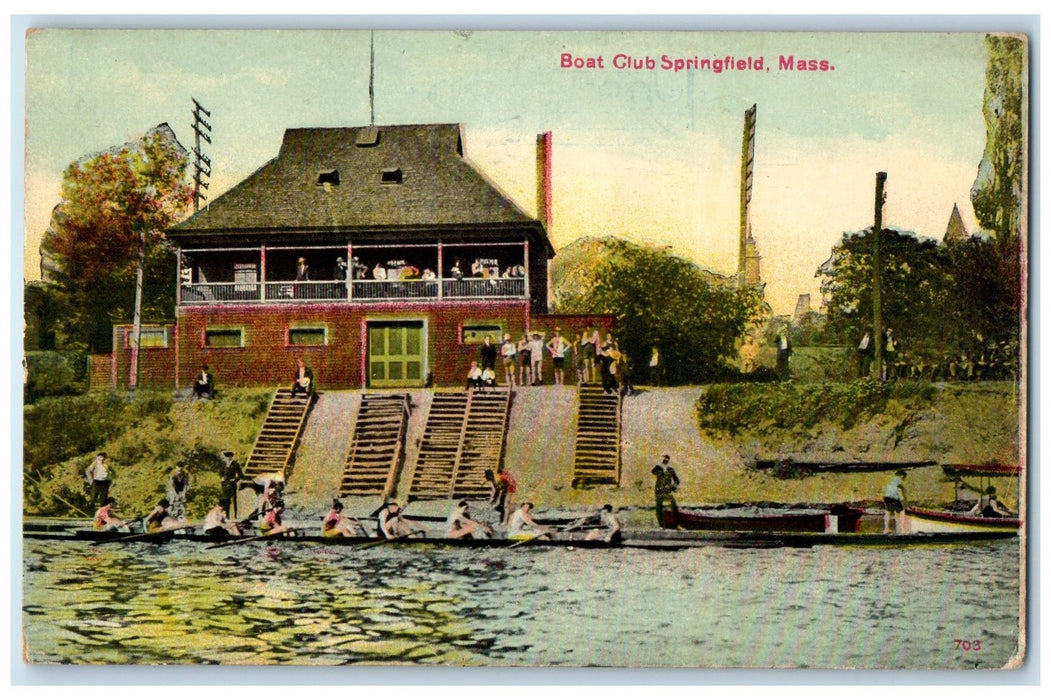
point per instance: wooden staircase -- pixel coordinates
(277, 440)
(377, 446)
(463, 437)
(596, 454)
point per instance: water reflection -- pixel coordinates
(308, 604)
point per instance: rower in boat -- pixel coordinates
(609, 526)
(216, 524)
(392, 524)
(336, 524)
(523, 527)
(272, 524)
(160, 517)
(460, 525)
(269, 488)
(105, 519)
(988, 506)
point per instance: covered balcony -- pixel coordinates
(359, 274)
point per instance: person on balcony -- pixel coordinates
(477, 268)
(302, 270)
(379, 272)
(456, 273)
(341, 269)
(303, 380)
(357, 268)
(204, 384)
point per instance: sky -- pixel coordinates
(647, 154)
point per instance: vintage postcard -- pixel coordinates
(623, 349)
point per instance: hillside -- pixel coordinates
(147, 436)
(574, 266)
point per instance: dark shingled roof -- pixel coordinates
(438, 186)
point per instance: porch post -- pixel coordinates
(526, 265)
(350, 270)
(441, 272)
(262, 272)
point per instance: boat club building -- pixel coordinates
(378, 254)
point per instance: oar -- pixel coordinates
(573, 525)
(242, 540)
(145, 535)
(59, 498)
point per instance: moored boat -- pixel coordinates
(838, 518)
(960, 519)
(928, 520)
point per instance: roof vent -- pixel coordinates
(367, 136)
(330, 177)
(391, 177)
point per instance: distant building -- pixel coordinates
(955, 231)
(380, 255)
(802, 308)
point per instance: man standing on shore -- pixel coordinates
(894, 504)
(98, 479)
(667, 483)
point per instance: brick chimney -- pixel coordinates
(543, 178)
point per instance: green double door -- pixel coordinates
(396, 353)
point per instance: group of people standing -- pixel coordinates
(587, 357)
(866, 353)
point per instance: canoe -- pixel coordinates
(831, 520)
(929, 520)
(788, 465)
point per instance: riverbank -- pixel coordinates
(145, 438)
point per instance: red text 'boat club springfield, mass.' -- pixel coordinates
(675, 64)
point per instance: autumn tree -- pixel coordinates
(113, 203)
(661, 300)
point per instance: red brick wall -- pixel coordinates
(267, 360)
(156, 365)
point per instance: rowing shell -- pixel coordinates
(633, 539)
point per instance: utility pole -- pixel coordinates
(202, 165)
(877, 309)
(136, 325)
(747, 160)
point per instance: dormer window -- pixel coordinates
(328, 178)
(391, 176)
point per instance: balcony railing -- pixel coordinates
(362, 290)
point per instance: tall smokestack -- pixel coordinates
(543, 178)
(747, 160)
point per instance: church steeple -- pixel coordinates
(955, 231)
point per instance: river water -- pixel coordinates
(282, 603)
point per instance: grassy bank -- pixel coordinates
(714, 434)
(145, 437)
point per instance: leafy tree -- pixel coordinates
(916, 289)
(663, 301)
(997, 195)
(941, 300)
(110, 203)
